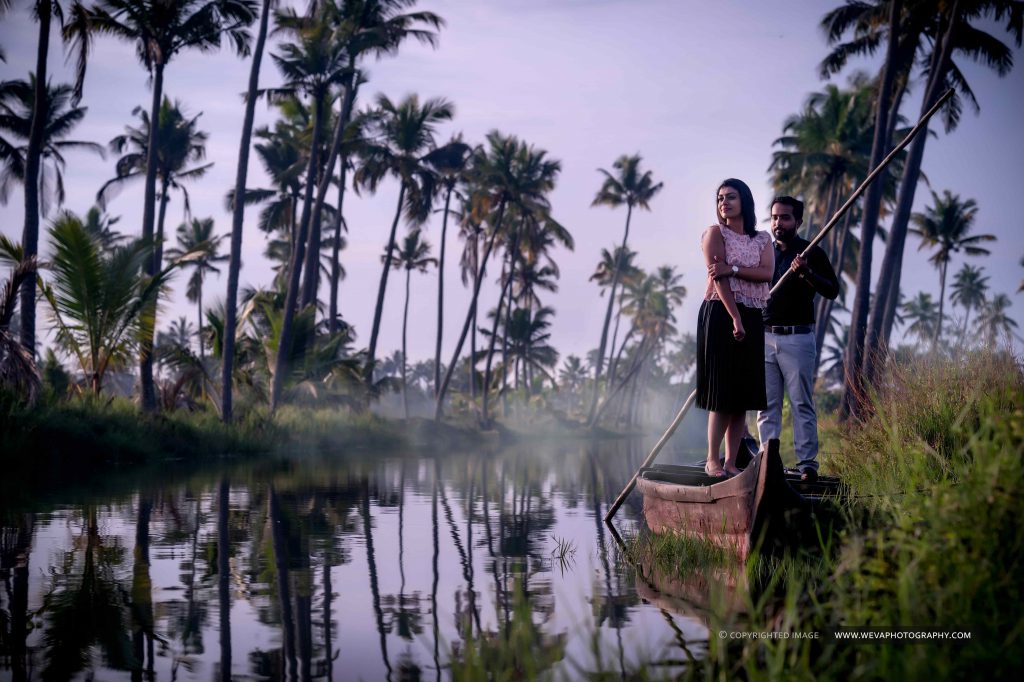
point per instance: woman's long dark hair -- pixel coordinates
(746, 204)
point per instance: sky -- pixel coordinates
(699, 89)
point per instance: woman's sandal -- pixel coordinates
(720, 473)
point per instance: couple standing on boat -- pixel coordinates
(751, 348)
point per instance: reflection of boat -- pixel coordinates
(693, 595)
(731, 513)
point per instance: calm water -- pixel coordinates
(341, 568)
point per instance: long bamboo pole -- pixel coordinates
(650, 458)
(814, 242)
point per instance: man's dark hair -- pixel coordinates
(746, 204)
(795, 204)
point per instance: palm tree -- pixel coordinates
(101, 227)
(312, 66)
(650, 308)
(449, 168)
(45, 10)
(993, 319)
(18, 371)
(403, 135)
(823, 153)
(884, 104)
(180, 143)
(362, 27)
(824, 149)
(1021, 287)
(196, 238)
(945, 33)
(528, 336)
(628, 275)
(61, 116)
(160, 30)
(238, 218)
(969, 289)
(283, 154)
(629, 187)
(43, 115)
(530, 266)
(522, 244)
(505, 171)
(923, 315)
(573, 374)
(413, 255)
(97, 297)
(944, 227)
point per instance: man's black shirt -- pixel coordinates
(794, 302)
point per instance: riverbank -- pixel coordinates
(931, 541)
(59, 442)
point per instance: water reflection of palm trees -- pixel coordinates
(275, 544)
(85, 606)
(224, 577)
(15, 552)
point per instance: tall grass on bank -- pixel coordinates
(96, 429)
(937, 541)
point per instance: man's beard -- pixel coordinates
(785, 236)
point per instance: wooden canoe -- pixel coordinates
(730, 513)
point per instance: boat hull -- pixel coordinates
(728, 513)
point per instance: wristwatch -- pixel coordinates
(735, 270)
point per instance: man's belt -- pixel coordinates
(793, 329)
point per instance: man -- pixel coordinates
(789, 346)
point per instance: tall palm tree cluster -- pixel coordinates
(289, 340)
(844, 132)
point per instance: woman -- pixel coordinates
(730, 335)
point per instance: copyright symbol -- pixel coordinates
(722, 634)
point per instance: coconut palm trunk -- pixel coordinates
(378, 310)
(485, 415)
(607, 322)
(146, 386)
(199, 328)
(471, 315)
(440, 292)
(238, 219)
(405, 358)
(825, 305)
(158, 244)
(853, 385)
(942, 303)
(613, 357)
(311, 283)
(33, 157)
(504, 335)
(332, 320)
(295, 264)
(892, 263)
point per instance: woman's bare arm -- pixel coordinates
(762, 272)
(714, 252)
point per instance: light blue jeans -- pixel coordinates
(789, 366)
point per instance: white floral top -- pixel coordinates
(745, 252)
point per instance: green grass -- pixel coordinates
(101, 429)
(934, 539)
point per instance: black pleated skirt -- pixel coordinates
(730, 373)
